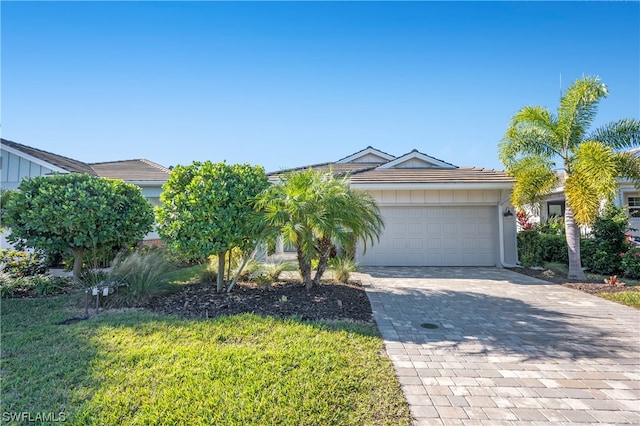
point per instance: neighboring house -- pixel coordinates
(18, 161)
(627, 195)
(435, 213)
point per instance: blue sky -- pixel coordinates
(289, 84)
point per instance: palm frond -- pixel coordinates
(532, 131)
(594, 172)
(582, 197)
(628, 167)
(620, 134)
(578, 107)
(595, 163)
(535, 179)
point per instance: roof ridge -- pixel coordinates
(142, 160)
(156, 165)
(362, 150)
(291, 169)
(114, 161)
(426, 155)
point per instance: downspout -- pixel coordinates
(501, 233)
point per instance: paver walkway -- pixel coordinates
(509, 349)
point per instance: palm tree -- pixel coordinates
(538, 141)
(313, 210)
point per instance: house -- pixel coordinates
(435, 213)
(18, 161)
(627, 195)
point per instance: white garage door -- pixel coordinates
(435, 236)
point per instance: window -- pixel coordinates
(555, 209)
(634, 206)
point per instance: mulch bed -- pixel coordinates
(330, 301)
(588, 286)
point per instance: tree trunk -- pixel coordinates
(78, 255)
(325, 251)
(220, 285)
(573, 244)
(305, 269)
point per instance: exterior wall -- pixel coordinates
(510, 239)
(152, 194)
(14, 168)
(368, 158)
(627, 191)
(442, 197)
(413, 163)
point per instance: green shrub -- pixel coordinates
(529, 249)
(609, 240)
(272, 270)
(554, 248)
(45, 285)
(630, 263)
(7, 284)
(249, 271)
(536, 249)
(553, 226)
(143, 275)
(93, 277)
(22, 264)
(342, 268)
(210, 273)
(36, 285)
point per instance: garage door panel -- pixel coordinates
(416, 228)
(434, 228)
(436, 236)
(434, 243)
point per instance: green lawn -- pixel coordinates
(629, 298)
(140, 368)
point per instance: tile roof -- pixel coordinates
(339, 169)
(372, 173)
(132, 170)
(68, 164)
(432, 175)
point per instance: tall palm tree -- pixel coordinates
(313, 210)
(537, 142)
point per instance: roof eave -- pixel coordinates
(146, 182)
(36, 160)
(373, 186)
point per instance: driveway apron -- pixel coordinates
(488, 346)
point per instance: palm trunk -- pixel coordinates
(324, 246)
(305, 269)
(78, 255)
(573, 244)
(220, 283)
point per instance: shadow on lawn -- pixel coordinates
(83, 367)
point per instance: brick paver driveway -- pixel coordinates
(509, 349)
